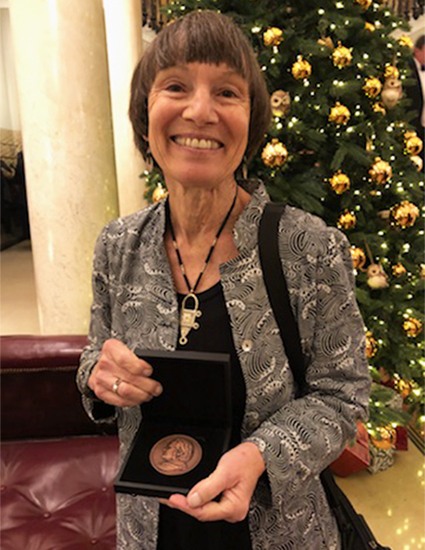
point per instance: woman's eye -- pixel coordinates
(174, 88)
(228, 93)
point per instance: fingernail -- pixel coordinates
(194, 500)
(158, 390)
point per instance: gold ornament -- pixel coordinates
(301, 68)
(273, 36)
(339, 114)
(404, 387)
(326, 41)
(372, 86)
(412, 326)
(399, 270)
(340, 182)
(413, 144)
(358, 257)
(280, 102)
(371, 345)
(159, 193)
(369, 27)
(404, 214)
(392, 92)
(341, 56)
(385, 438)
(418, 162)
(422, 271)
(379, 108)
(347, 220)
(365, 4)
(381, 171)
(391, 72)
(376, 277)
(274, 154)
(406, 42)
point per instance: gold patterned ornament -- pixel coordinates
(341, 56)
(340, 182)
(347, 220)
(392, 92)
(371, 345)
(379, 108)
(369, 27)
(372, 87)
(413, 144)
(376, 277)
(399, 270)
(403, 387)
(159, 193)
(273, 36)
(405, 41)
(391, 72)
(412, 326)
(404, 214)
(339, 114)
(280, 102)
(380, 171)
(365, 4)
(274, 154)
(301, 69)
(385, 437)
(358, 257)
(326, 41)
(422, 271)
(418, 162)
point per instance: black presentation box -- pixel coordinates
(195, 402)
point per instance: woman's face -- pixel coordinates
(198, 123)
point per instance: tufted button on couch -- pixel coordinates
(57, 467)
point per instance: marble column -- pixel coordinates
(124, 38)
(63, 87)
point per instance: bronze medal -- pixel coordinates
(175, 455)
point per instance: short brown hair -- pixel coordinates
(205, 37)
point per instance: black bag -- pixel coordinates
(354, 531)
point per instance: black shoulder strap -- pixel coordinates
(277, 289)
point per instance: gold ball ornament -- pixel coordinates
(159, 193)
(273, 36)
(341, 56)
(399, 270)
(404, 387)
(380, 171)
(274, 154)
(347, 220)
(418, 162)
(340, 182)
(280, 102)
(371, 345)
(404, 214)
(405, 41)
(413, 144)
(385, 438)
(358, 257)
(365, 4)
(372, 87)
(301, 69)
(391, 72)
(379, 108)
(369, 27)
(422, 271)
(339, 114)
(412, 326)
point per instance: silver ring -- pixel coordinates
(116, 385)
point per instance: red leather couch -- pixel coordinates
(57, 467)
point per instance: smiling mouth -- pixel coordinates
(195, 143)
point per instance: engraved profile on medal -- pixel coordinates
(175, 455)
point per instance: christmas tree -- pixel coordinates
(340, 146)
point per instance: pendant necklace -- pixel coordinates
(190, 306)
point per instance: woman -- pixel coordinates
(199, 106)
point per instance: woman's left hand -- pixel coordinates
(234, 479)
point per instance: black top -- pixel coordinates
(177, 530)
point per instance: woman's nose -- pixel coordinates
(201, 108)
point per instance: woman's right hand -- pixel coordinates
(120, 378)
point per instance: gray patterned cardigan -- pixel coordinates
(298, 438)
